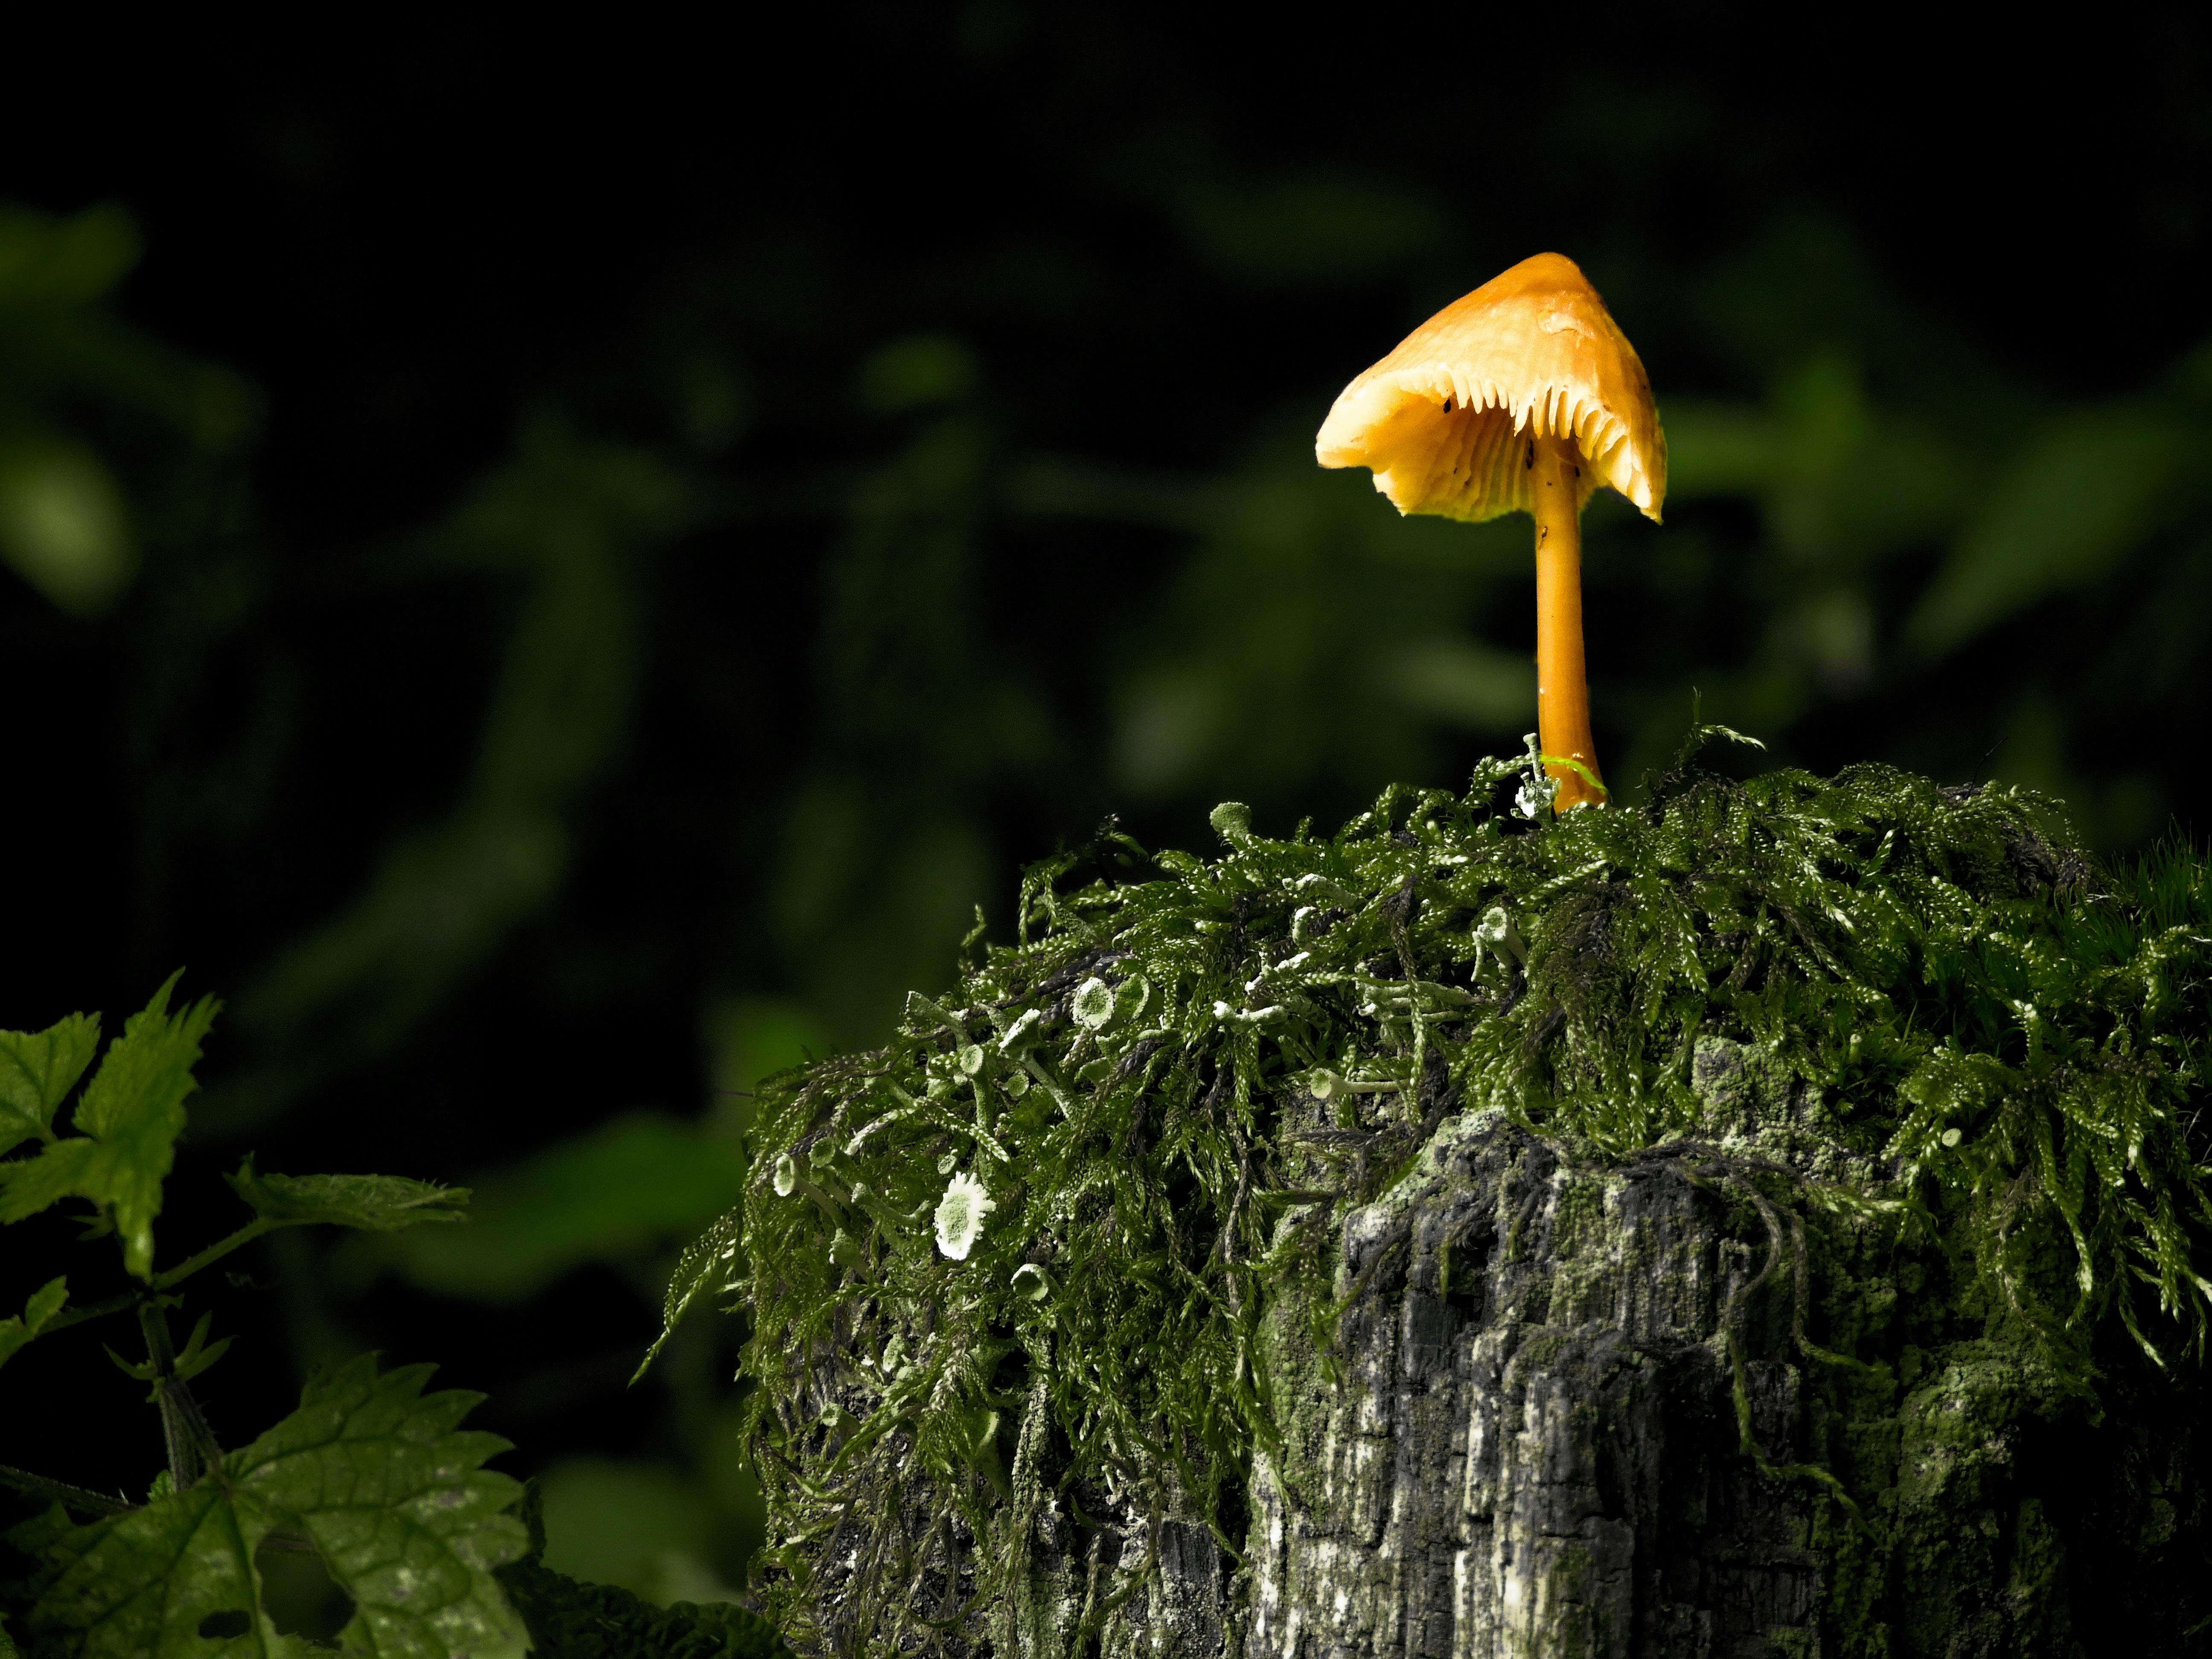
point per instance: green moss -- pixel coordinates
(1886, 977)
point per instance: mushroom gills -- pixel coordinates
(1466, 460)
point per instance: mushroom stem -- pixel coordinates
(1562, 692)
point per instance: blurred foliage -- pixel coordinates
(673, 590)
(69, 369)
(605, 1195)
(566, 522)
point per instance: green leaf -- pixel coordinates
(148, 1072)
(377, 1204)
(572, 1619)
(37, 1071)
(199, 1354)
(128, 1120)
(194, 1357)
(375, 1474)
(569, 1619)
(746, 1634)
(18, 1328)
(58, 1171)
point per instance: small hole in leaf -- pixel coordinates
(297, 1589)
(222, 1626)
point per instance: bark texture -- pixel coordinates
(1533, 1447)
(1522, 1437)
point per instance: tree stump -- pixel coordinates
(1532, 1445)
(1525, 1440)
(1312, 1320)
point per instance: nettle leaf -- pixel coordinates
(37, 1071)
(372, 1472)
(60, 1169)
(18, 1328)
(569, 1619)
(127, 1121)
(377, 1204)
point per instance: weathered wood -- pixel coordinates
(1521, 1437)
(1532, 1448)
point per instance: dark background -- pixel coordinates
(554, 574)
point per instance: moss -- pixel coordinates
(1189, 1080)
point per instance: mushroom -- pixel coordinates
(1523, 396)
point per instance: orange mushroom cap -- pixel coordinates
(1531, 352)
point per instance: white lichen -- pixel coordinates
(1093, 1006)
(960, 1215)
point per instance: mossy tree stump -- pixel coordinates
(1760, 1221)
(1532, 1446)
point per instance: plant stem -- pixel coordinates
(216, 1252)
(191, 1444)
(176, 1276)
(1562, 691)
(80, 1498)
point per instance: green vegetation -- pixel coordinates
(364, 1522)
(2013, 1035)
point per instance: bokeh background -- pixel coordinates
(557, 575)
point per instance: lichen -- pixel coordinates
(1900, 1028)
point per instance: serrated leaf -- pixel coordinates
(37, 1071)
(18, 1328)
(378, 1203)
(58, 1171)
(148, 1072)
(569, 1619)
(746, 1634)
(573, 1618)
(377, 1475)
(127, 1121)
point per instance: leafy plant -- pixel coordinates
(372, 1476)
